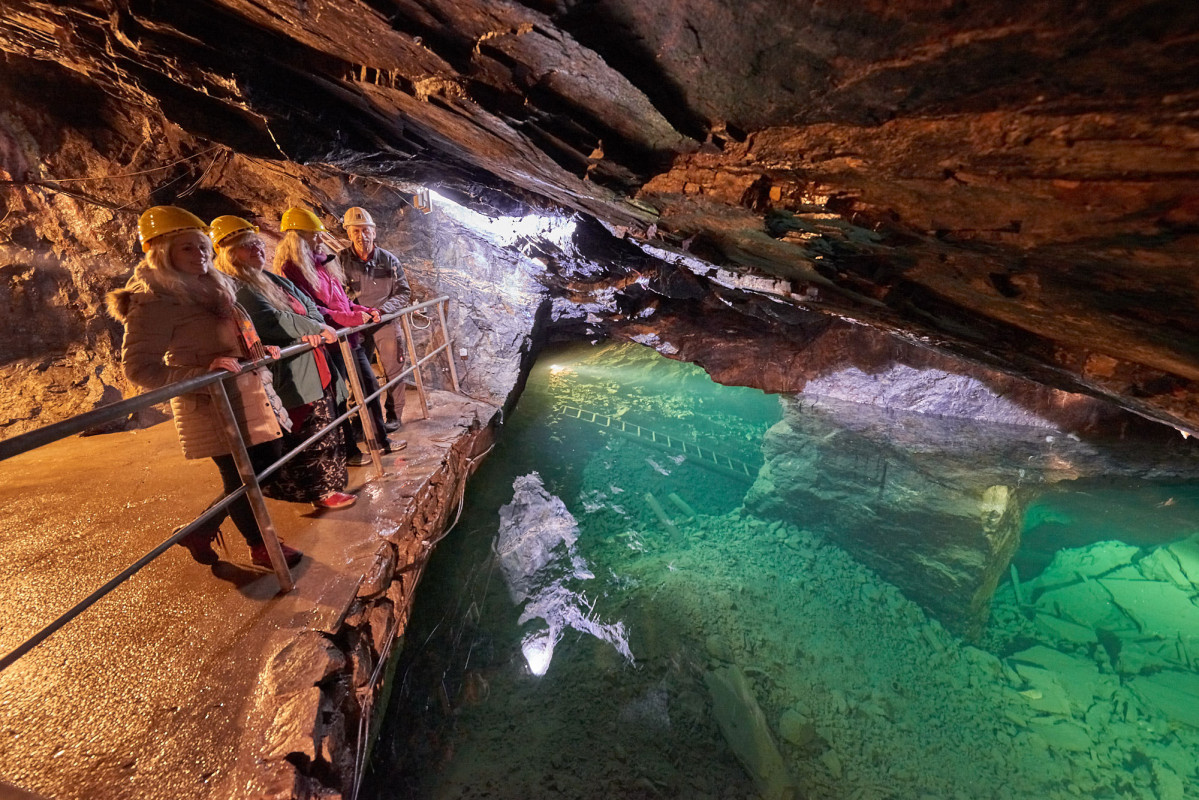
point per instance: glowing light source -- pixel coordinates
(538, 650)
(506, 231)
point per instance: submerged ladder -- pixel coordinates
(704, 456)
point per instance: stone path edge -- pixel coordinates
(310, 724)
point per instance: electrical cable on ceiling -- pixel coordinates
(134, 174)
(42, 183)
(203, 175)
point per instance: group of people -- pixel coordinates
(203, 299)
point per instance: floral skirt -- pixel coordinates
(321, 468)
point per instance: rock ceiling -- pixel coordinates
(1014, 182)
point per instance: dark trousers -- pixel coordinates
(261, 456)
(367, 376)
(385, 343)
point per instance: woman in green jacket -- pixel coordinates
(284, 316)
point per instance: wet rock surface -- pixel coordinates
(1014, 185)
(205, 682)
(944, 498)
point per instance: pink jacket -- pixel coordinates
(330, 298)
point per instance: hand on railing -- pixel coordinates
(272, 351)
(317, 339)
(229, 364)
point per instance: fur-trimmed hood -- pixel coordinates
(147, 284)
(141, 281)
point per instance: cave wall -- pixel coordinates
(495, 295)
(70, 236)
(1011, 183)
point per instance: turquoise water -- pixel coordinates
(612, 618)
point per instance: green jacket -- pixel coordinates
(297, 379)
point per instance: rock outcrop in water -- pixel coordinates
(936, 517)
(935, 503)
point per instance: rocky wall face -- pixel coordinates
(1011, 183)
(935, 504)
(494, 291)
(70, 237)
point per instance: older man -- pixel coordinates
(376, 279)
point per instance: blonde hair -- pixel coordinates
(212, 283)
(256, 279)
(293, 248)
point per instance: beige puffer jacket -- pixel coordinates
(170, 336)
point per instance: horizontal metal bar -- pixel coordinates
(48, 434)
(83, 605)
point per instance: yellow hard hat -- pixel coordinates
(300, 219)
(227, 225)
(357, 216)
(161, 220)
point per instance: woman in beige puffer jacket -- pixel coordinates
(181, 322)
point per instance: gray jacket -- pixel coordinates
(378, 282)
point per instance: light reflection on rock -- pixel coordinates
(536, 548)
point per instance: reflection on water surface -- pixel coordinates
(609, 621)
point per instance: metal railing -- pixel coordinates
(706, 457)
(214, 384)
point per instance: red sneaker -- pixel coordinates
(199, 545)
(259, 557)
(336, 500)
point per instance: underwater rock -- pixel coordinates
(1064, 630)
(650, 709)
(1046, 694)
(744, 727)
(906, 495)
(1078, 680)
(1069, 566)
(1087, 604)
(1187, 553)
(1065, 735)
(1156, 606)
(718, 648)
(832, 762)
(1163, 565)
(1173, 694)
(795, 728)
(1167, 784)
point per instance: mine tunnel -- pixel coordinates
(803, 409)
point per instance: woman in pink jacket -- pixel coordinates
(299, 259)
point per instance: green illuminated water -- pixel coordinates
(1084, 690)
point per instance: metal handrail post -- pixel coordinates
(449, 350)
(253, 491)
(420, 382)
(368, 425)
